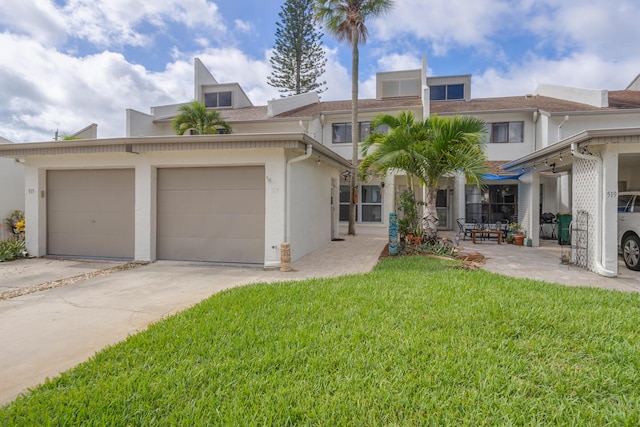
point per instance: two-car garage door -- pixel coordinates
(211, 214)
(203, 213)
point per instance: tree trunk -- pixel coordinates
(354, 131)
(430, 217)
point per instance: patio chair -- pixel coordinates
(465, 227)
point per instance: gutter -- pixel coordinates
(600, 234)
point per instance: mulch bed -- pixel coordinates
(470, 261)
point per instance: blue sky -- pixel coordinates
(67, 63)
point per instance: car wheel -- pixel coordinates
(631, 252)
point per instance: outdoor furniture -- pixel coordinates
(466, 227)
(550, 219)
(487, 232)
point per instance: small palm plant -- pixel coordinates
(196, 118)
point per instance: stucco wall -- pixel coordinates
(513, 150)
(11, 191)
(310, 222)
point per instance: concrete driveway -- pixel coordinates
(50, 331)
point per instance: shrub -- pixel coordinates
(12, 249)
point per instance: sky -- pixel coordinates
(65, 64)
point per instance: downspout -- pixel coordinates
(600, 234)
(287, 199)
(565, 120)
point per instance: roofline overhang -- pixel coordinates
(564, 146)
(146, 144)
(476, 112)
(591, 112)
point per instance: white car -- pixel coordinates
(629, 228)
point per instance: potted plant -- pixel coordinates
(515, 234)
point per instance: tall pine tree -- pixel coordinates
(298, 59)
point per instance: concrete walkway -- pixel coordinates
(544, 263)
(47, 332)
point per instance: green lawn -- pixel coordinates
(413, 343)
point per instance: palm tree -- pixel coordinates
(346, 20)
(194, 116)
(429, 150)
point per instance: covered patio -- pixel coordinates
(586, 170)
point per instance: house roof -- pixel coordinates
(624, 99)
(510, 103)
(618, 100)
(136, 145)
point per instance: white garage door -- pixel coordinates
(211, 214)
(91, 213)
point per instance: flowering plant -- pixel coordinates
(15, 222)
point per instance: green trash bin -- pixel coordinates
(563, 225)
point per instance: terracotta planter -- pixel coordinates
(518, 239)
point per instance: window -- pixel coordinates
(371, 203)
(505, 132)
(218, 99)
(341, 132)
(446, 92)
(344, 203)
(494, 203)
(369, 206)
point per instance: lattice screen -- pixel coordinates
(585, 198)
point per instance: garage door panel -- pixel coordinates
(214, 201)
(84, 245)
(91, 213)
(90, 180)
(95, 202)
(201, 249)
(226, 178)
(94, 223)
(211, 214)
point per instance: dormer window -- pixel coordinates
(218, 100)
(446, 92)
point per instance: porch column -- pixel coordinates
(529, 205)
(459, 197)
(609, 220)
(146, 196)
(35, 206)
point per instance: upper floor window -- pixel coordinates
(341, 132)
(217, 99)
(446, 92)
(507, 132)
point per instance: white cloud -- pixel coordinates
(58, 91)
(399, 61)
(45, 22)
(579, 70)
(444, 23)
(243, 26)
(108, 22)
(597, 26)
(338, 78)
